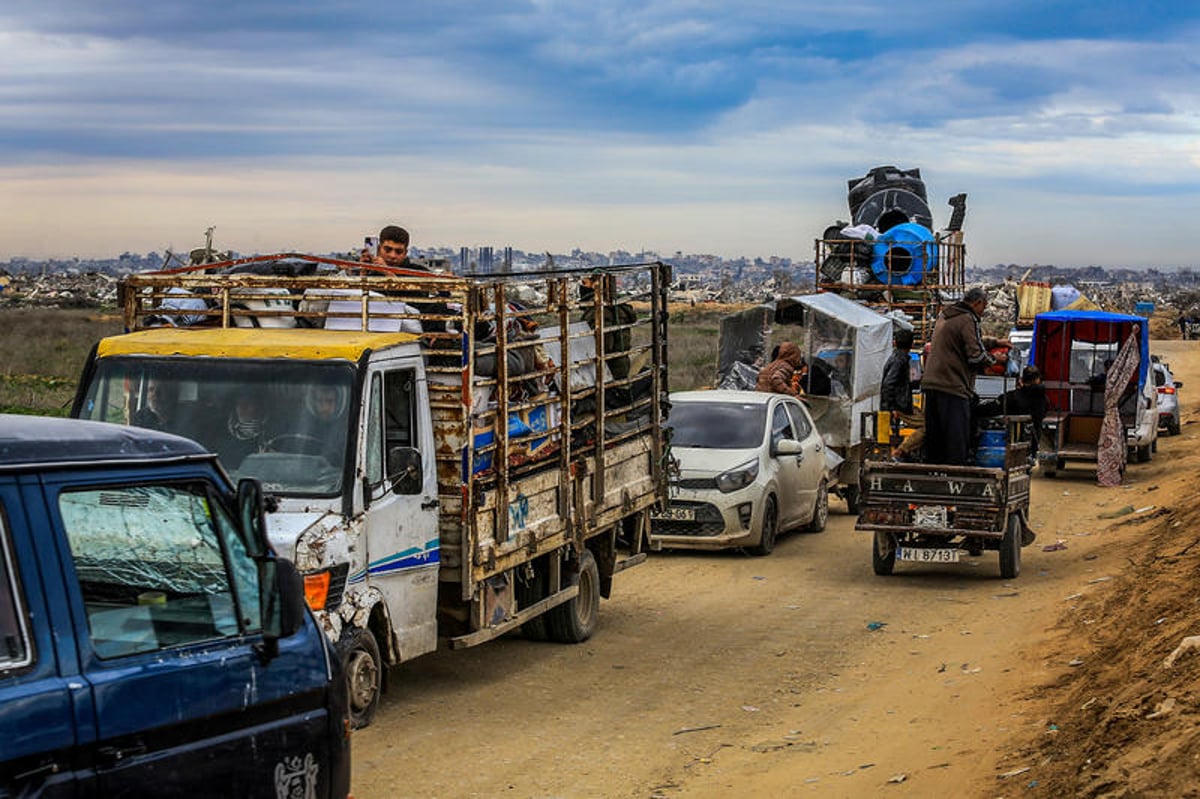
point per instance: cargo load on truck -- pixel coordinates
(452, 457)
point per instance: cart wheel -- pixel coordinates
(853, 498)
(1143, 454)
(883, 553)
(1010, 549)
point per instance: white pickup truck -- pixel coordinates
(446, 460)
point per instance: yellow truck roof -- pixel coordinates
(239, 342)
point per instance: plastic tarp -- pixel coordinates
(856, 341)
(742, 347)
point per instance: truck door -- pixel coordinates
(161, 587)
(40, 753)
(400, 490)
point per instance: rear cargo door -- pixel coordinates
(39, 706)
(166, 598)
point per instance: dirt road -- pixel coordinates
(798, 674)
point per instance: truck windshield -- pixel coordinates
(283, 422)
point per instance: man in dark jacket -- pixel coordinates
(895, 394)
(959, 352)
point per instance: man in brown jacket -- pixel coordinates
(776, 376)
(959, 352)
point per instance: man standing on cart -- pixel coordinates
(959, 351)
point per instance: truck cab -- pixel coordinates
(152, 642)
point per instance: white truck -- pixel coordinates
(445, 460)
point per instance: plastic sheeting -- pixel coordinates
(742, 347)
(856, 341)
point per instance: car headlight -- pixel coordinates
(738, 477)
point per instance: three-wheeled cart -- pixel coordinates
(935, 513)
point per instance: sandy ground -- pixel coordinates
(804, 674)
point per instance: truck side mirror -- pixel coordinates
(404, 470)
(250, 512)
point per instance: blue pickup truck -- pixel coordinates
(150, 641)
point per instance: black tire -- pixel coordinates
(1173, 427)
(364, 674)
(1010, 549)
(853, 499)
(770, 529)
(1143, 454)
(820, 510)
(529, 592)
(883, 562)
(575, 620)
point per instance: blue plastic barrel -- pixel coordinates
(913, 253)
(992, 457)
(993, 438)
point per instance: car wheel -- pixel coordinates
(1010, 549)
(883, 553)
(770, 528)
(1173, 427)
(364, 674)
(575, 620)
(820, 513)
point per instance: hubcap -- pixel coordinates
(362, 674)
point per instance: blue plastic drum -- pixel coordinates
(912, 251)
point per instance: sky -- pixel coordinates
(728, 128)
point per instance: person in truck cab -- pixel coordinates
(158, 406)
(245, 427)
(325, 408)
(959, 351)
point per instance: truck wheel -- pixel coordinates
(364, 674)
(883, 553)
(852, 499)
(820, 510)
(574, 621)
(1010, 549)
(770, 529)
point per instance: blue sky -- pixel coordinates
(706, 127)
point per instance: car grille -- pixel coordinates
(695, 483)
(709, 521)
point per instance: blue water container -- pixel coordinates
(991, 457)
(913, 250)
(993, 438)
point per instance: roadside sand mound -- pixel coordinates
(1119, 723)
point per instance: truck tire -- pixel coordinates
(1010, 549)
(853, 499)
(883, 553)
(820, 510)
(364, 674)
(770, 529)
(575, 620)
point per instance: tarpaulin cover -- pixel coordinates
(856, 341)
(743, 341)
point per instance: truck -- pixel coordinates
(928, 513)
(151, 642)
(449, 457)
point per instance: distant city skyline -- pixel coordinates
(731, 129)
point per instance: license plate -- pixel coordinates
(922, 555)
(930, 516)
(676, 514)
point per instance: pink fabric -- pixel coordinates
(1110, 457)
